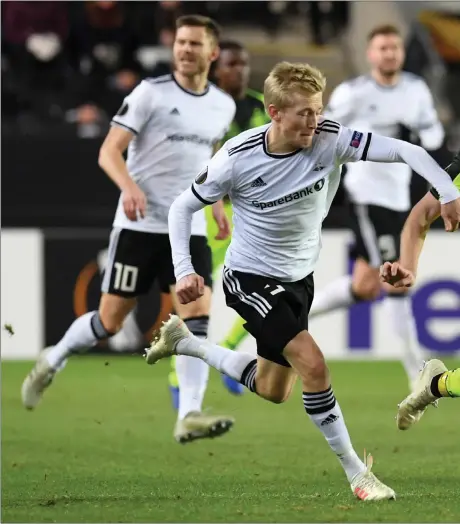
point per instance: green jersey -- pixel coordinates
(454, 171)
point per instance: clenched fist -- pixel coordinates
(190, 288)
(396, 275)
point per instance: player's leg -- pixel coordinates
(446, 384)
(128, 274)
(238, 365)
(398, 302)
(435, 381)
(380, 231)
(267, 305)
(192, 373)
(324, 411)
(364, 284)
(130, 336)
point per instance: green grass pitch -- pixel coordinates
(100, 449)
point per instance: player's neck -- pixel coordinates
(276, 143)
(196, 84)
(383, 80)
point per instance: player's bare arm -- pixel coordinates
(403, 273)
(218, 209)
(418, 223)
(112, 162)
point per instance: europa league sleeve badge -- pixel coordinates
(201, 178)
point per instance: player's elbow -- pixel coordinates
(103, 156)
(108, 153)
(420, 219)
(433, 140)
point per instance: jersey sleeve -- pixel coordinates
(352, 145)
(215, 180)
(429, 127)
(341, 104)
(136, 109)
(454, 171)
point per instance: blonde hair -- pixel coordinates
(286, 77)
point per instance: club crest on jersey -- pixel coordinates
(201, 178)
(356, 139)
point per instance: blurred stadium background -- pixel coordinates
(66, 67)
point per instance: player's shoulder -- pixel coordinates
(412, 78)
(158, 80)
(222, 96)
(246, 142)
(354, 83)
(152, 86)
(328, 128)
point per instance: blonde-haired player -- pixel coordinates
(281, 179)
(435, 380)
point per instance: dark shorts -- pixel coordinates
(377, 232)
(275, 312)
(136, 258)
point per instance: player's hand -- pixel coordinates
(222, 221)
(190, 288)
(396, 275)
(450, 213)
(134, 202)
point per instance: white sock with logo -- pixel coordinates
(324, 410)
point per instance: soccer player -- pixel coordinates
(281, 179)
(231, 72)
(435, 380)
(170, 126)
(385, 101)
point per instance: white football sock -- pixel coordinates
(400, 310)
(231, 363)
(337, 294)
(83, 334)
(324, 410)
(192, 374)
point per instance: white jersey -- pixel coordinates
(175, 133)
(364, 104)
(279, 201)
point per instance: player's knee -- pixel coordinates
(101, 328)
(307, 359)
(113, 311)
(276, 395)
(111, 323)
(368, 289)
